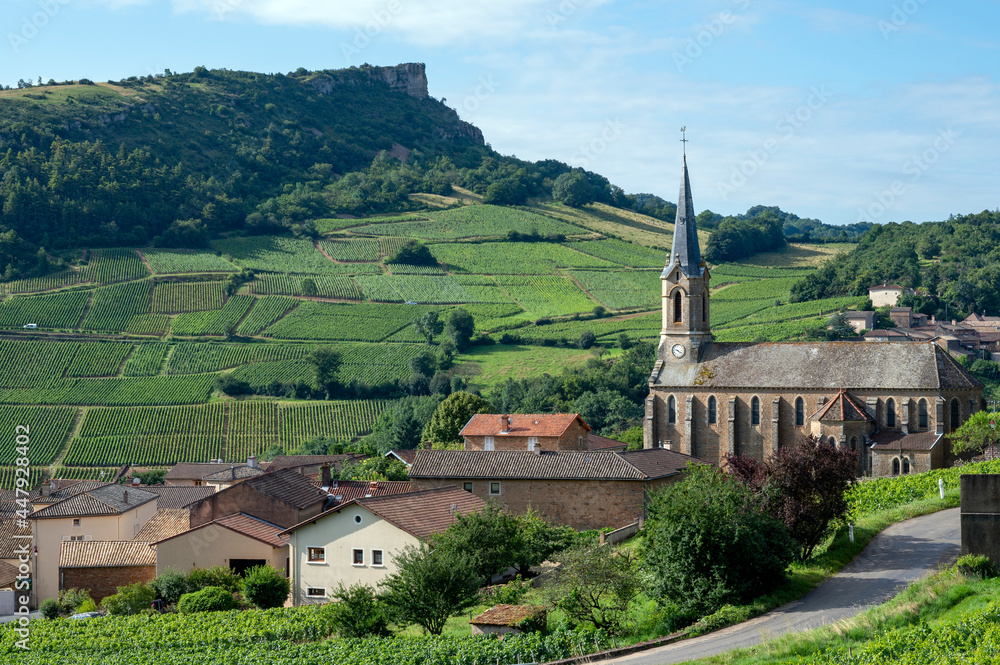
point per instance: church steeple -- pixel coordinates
(686, 323)
(685, 246)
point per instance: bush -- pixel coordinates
(170, 586)
(87, 606)
(50, 608)
(232, 386)
(209, 599)
(265, 587)
(71, 599)
(510, 593)
(131, 599)
(358, 612)
(977, 565)
(587, 339)
(220, 576)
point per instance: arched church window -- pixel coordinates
(755, 411)
(800, 412)
(890, 413)
(906, 466)
(833, 442)
(712, 407)
(922, 414)
(956, 416)
(854, 443)
(677, 307)
(704, 309)
(895, 466)
(671, 410)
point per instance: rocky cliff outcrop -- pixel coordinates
(409, 77)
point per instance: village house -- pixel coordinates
(584, 490)
(101, 566)
(886, 294)
(860, 320)
(357, 541)
(216, 474)
(282, 497)
(309, 465)
(237, 541)
(559, 431)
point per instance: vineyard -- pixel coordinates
(192, 297)
(622, 253)
(546, 295)
(108, 266)
(114, 392)
(96, 359)
(199, 358)
(472, 222)
(146, 360)
(60, 311)
(414, 288)
(265, 311)
(48, 430)
(622, 290)
(362, 249)
(114, 307)
(178, 261)
(216, 322)
(513, 258)
(328, 286)
(277, 254)
(336, 321)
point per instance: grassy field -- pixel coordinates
(489, 365)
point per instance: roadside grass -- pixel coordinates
(945, 598)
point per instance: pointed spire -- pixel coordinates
(685, 248)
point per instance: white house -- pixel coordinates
(358, 540)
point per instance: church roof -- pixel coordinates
(685, 243)
(895, 440)
(818, 365)
(842, 408)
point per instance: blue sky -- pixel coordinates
(886, 110)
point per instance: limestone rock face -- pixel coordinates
(410, 77)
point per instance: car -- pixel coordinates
(87, 615)
(30, 326)
(412, 302)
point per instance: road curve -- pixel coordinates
(904, 552)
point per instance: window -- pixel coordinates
(197, 483)
(956, 416)
(712, 406)
(377, 558)
(357, 519)
(76, 537)
(467, 487)
(895, 467)
(677, 307)
(358, 557)
(315, 592)
(76, 521)
(317, 555)
(755, 411)
(890, 414)
(488, 443)
(906, 466)
(800, 412)
(704, 309)
(671, 410)
(854, 443)
(494, 489)
(579, 442)
(922, 414)
(532, 443)
(832, 442)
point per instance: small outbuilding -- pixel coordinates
(504, 619)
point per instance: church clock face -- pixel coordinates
(677, 350)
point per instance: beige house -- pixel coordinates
(357, 541)
(238, 541)
(886, 294)
(101, 513)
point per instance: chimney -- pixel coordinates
(252, 462)
(504, 424)
(372, 485)
(537, 449)
(136, 481)
(125, 496)
(325, 476)
(46, 489)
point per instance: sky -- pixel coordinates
(884, 110)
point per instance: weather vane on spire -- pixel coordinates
(684, 139)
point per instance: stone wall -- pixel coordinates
(981, 515)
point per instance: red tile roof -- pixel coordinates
(536, 424)
(247, 525)
(287, 486)
(296, 461)
(421, 514)
(343, 491)
(842, 408)
(166, 522)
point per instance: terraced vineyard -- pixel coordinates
(199, 358)
(114, 307)
(215, 322)
(179, 261)
(146, 360)
(108, 266)
(337, 321)
(514, 258)
(622, 290)
(472, 222)
(60, 311)
(546, 295)
(48, 428)
(414, 288)
(327, 286)
(265, 311)
(276, 254)
(184, 297)
(98, 359)
(622, 253)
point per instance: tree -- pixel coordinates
(804, 486)
(450, 417)
(358, 612)
(413, 253)
(587, 339)
(506, 192)
(170, 585)
(975, 434)
(265, 587)
(573, 189)
(230, 385)
(309, 287)
(624, 342)
(709, 542)
(379, 467)
(326, 365)
(492, 538)
(429, 325)
(460, 328)
(430, 586)
(838, 327)
(596, 584)
(539, 540)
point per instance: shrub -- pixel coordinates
(170, 586)
(510, 593)
(265, 587)
(977, 565)
(209, 599)
(220, 576)
(50, 608)
(87, 606)
(587, 339)
(358, 612)
(131, 599)
(71, 599)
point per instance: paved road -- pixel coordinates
(899, 555)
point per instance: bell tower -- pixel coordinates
(686, 322)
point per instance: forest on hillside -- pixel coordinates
(954, 266)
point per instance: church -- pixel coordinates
(893, 402)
